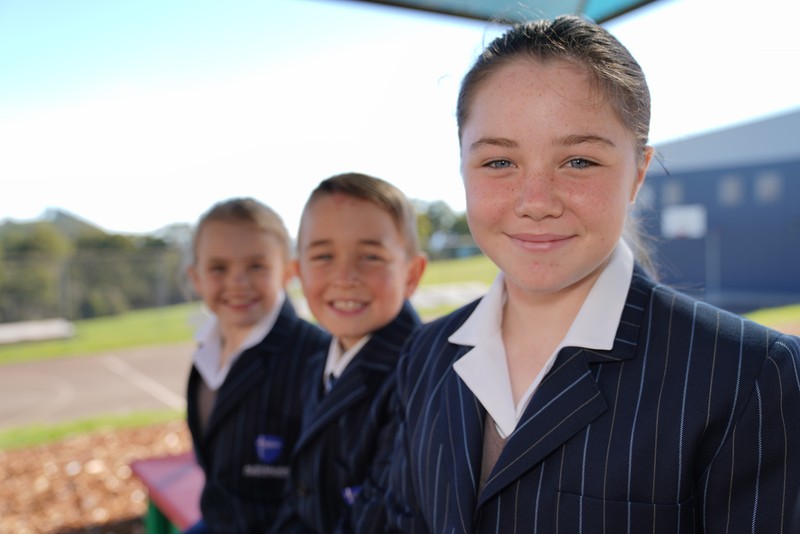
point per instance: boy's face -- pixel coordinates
(239, 271)
(354, 267)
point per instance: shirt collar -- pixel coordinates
(338, 360)
(208, 355)
(484, 369)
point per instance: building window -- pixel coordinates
(768, 187)
(687, 221)
(730, 191)
(671, 193)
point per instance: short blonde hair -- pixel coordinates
(245, 210)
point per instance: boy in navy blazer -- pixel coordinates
(243, 398)
(358, 263)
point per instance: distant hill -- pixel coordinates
(72, 226)
(67, 224)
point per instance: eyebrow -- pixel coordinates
(569, 140)
(328, 242)
(493, 141)
(572, 140)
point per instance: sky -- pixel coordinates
(137, 114)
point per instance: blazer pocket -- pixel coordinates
(589, 515)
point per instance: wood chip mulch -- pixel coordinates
(83, 484)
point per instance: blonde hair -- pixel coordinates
(245, 210)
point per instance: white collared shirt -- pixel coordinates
(484, 369)
(338, 361)
(208, 355)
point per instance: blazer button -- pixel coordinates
(302, 491)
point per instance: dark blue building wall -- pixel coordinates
(749, 254)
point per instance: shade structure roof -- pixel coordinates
(510, 11)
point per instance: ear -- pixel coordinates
(194, 278)
(641, 171)
(292, 269)
(289, 272)
(416, 267)
(191, 272)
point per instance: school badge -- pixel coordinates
(268, 448)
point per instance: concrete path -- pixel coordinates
(114, 383)
(132, 380)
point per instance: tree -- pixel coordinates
(30, 287)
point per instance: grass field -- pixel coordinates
(158, 326)
(173, 324)
(38, 434)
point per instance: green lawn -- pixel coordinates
(472, 269)
(175, 324)
(778, 318)
(38, 434)
(158, 326)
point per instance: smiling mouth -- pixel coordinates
(539, 242)
(347, 305)
(238, 303)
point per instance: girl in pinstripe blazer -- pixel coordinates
(243, 401)
(579, 396)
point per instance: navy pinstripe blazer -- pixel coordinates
(689, 424)
(258, 404)
(346, 439)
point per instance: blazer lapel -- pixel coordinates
(461, 435)
(250, 368)
(376, 360)
(566, 402)
(250, 371)
(568, 399)
(350, 388)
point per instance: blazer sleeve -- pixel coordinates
(754, 480)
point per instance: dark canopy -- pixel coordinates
(509, 11)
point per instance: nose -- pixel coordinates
(346, 273)
(238, 277)
(538, 196)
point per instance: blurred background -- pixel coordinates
(122, 122)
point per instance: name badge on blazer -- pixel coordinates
(268, 448)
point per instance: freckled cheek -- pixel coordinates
(603, 213)
(597, 199)
(487, 203)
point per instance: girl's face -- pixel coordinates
(549, 173)
(239, 272)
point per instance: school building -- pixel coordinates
(724, 214)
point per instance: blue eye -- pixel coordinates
(580, 163)
(500, 164)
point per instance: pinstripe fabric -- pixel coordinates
(690, 424)
(261, 395)
(346, 439)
